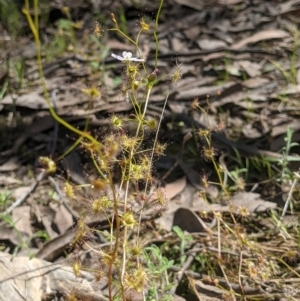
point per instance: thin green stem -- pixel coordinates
(34, 30)
(116, 246)
(124, 35)
(36, 15)
(138, 36)
(152, 156)
(77, 142)
(155, 31)
(97, 166)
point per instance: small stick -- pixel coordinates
(183, 269)
(24, 196)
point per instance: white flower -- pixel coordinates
(127, 56)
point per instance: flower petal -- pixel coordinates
(127, 55)
(118, 57)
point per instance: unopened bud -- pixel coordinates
(152, 76)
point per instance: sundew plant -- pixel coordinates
(124, 263)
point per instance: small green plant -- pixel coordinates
(10, 17)
(64, 38)
(157, 266)
(286, 150)
(291, 74)
(18, 69)
(23, 244)
(41, 234)
(286, 175)
(5, 199)
(185, 239)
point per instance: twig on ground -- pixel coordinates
(20, 200)
(222, 282)
(185, 266)
(287, 202)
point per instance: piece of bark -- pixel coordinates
(22, 278)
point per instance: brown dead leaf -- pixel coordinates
(47, 223)
(202, 92)
(222, 25)
(36, 100)
(213, 56)
(178, 45)
(193, 33)
(289, 90)
(9, 234)
(6, 180)
(241, 99)
(210, 44)
(198, 5)
(209, 290)
(32, 100)
(187, 220)
(11, 164)
(177, 107)
(22, 220)
(63, 219)
(233, 69)
(251, 68)
(185, 200)
(281, 129)
(174, 188)
(190, 82)
(190, 199)
(256, 82)
(261, 36)
(22, 278)
(251, 132)
(20, 192)
(46, 215)
(232, 89)
(285, 7)
(250, 200)
(53, 248)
